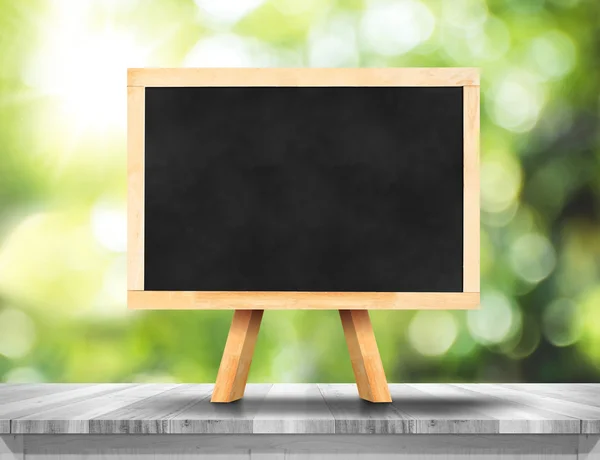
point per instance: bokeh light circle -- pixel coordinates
(493, 323)
(553, 54)
(17, 333)
(432, 333)
(394, 27)
(532, 257)
(561, 323)
(517, 100)
(500, 184)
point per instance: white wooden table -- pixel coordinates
(57, 421)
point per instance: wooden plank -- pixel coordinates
(513, 418)
(584, 394)
(587, 394)
(11, 447)
(206, 418)
(372, 447)
(237, 356)
(135, 188)
(294, 408)
(353, 416)
(74, 417)
(303, 77)
(435, 415)
(22, 391)
(7, 387)
(589, 415)
(364, 355)
(471, 232)
(151, 414)
(225, 300)
(70, 395)
(418, 408)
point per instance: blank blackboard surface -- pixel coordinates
(304, 189)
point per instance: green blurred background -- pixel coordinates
(63, 315)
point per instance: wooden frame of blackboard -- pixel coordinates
(353, 306)
(138, 298)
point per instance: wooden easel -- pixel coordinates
(364, 355)
(248, 305)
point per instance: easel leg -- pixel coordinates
(237, 356)
(366, 362)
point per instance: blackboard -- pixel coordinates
(319, 189)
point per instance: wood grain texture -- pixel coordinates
(224, 300)
(471, 229)
(237, 356)
(75, 415)
(20, 396)
(22, 391)
(585, 394)
(303, 77)
(372, 447)
(576, 392)
(135, 188)
(355, 416)
(207, 418)
(435, 415)
(72, 394)
(588, 415)
(512, 417)
(294, 408)
(284, 409)
(152, 413)
(364, 355)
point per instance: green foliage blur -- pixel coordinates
(63, 315)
